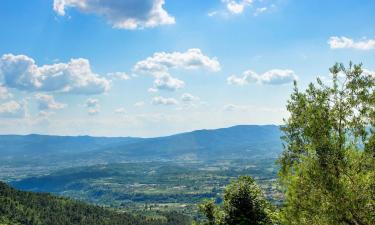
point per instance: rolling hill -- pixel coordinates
(19, 207)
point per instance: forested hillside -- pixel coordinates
(18, 207)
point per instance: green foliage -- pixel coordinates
(328, 164)
(243, 204)
(18, 207)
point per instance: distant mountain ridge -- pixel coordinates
(206, 143)
(233, 142)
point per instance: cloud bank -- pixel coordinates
(158, 100)
(271, 77)
(76, 77)
(348, 43)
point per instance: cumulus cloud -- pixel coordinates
(160, 64)
(237, 7)
(46, 102)
(4, 93)
(124, 14)
(348, 43)
(21, 72)
(13, 109)
(272, 77)
(167, 82)
(189, 101)
(158, 100)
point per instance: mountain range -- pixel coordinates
(225, 143)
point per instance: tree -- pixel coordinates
(328, 164)
(243, 204)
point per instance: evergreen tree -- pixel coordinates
(328, 163)
(243, 204)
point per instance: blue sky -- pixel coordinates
(153, 67)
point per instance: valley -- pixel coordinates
(148, 175)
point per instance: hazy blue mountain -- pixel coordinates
(46, 144)
(234, 142)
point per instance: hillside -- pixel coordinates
(18, 207)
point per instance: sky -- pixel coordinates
(158, 67)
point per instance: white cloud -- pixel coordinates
(369, 72)
(119, 75)
(122, 14)
(46, 102)
(237, 7)
(272, 77)
(213, 13)
(139, 104)
(345, 42)
(259, 11)
(187, 97)
(152, 90)
(4, 93)
(158, 100)
(160, 64)
(248, 77)
(167, 82)
(21, 72)
(121, 110)
(12, 109)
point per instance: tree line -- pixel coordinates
(27, 208)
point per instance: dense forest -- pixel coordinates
(19, 207)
